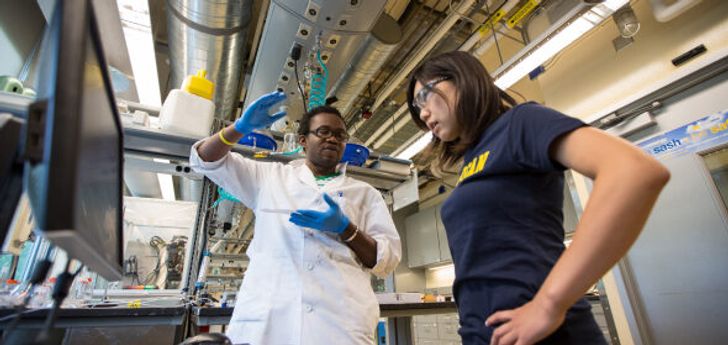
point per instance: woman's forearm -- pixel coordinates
(618, 207)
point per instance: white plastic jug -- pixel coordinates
(189, 111)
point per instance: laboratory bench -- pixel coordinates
(100, 317)
(101, 326)
(406, 323)
(206, 316)
(399, 317)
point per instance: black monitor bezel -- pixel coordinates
(74, 23)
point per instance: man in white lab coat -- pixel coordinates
(318, 234)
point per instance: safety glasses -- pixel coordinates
(423, 94)
(326, 132)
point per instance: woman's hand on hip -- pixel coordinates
(524, 325)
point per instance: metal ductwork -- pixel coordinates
(209, 34)
(338, 27)
(374, 52)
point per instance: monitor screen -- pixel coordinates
(75, 185)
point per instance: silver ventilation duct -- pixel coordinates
(337, 27)
(209, 34)
(374, 52)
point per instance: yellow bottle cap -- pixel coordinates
(199, 85)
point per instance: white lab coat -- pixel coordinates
(303, 286)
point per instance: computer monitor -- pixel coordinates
(74, 145)
(11, 170)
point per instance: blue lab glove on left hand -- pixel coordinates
(257, 116)
(332, 220)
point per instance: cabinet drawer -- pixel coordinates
(448, 318)
(448, 331)
(420, 341)
(424, 319)
(426, 331)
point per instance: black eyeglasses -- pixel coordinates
(421, 97)
(326, 132)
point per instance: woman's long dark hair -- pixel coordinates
(478, 102)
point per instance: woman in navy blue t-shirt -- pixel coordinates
(514, 281)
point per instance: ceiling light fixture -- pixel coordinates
(554, 40)
(415, 147)
(137, 27)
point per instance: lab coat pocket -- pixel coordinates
(363, 319)
(256, 293)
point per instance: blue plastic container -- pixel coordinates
(355, 154)
(259, 140)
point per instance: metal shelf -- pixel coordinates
(230, 257)
(155, 142)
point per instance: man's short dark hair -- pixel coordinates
(303, 127)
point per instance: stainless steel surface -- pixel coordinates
(370, 57)
(230, 257)
(140, 334)
(613, 336)
(346, 24)
(209, 34)
(182, 169)
(198, 240)
(149, 109)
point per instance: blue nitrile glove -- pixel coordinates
(256, 115)
(332, 220)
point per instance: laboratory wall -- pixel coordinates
(590, 78)
(406, 279)
(440, 277)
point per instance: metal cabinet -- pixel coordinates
(442, 236)
(439, 329)
(426, 239)
(422, 239)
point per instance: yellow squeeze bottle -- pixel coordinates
(189, 110)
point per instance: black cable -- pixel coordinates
(295, 55)
(60, 292)
(300, 88)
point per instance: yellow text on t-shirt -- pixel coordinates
(475, 166)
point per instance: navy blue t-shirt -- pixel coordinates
(504, 223)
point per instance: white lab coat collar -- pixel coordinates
(306, 175)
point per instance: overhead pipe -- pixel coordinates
(210, 35)
(373, 53)
(425, 49)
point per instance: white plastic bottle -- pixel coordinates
(189, 110)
